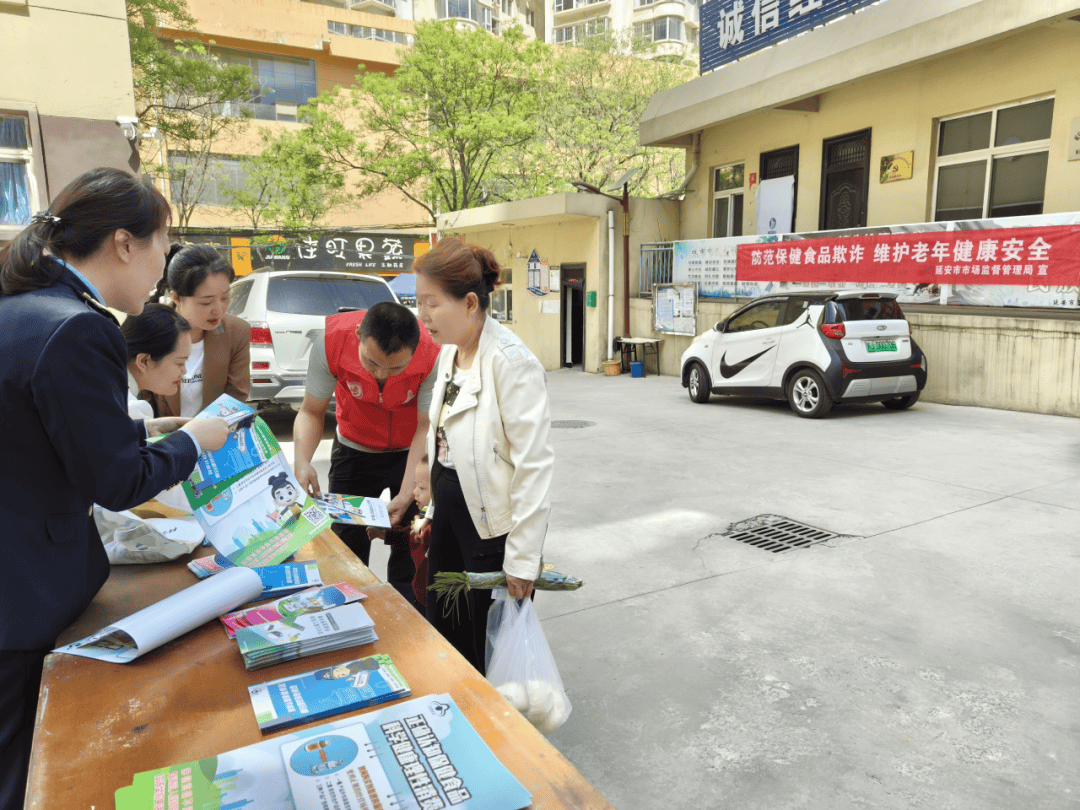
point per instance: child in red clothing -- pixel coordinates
(415, 530)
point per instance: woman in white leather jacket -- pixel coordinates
(490, 443)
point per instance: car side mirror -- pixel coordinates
(721, 326)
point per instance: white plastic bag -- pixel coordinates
(130, 539)
(520, 665)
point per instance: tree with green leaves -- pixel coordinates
(436, 129)
(287, 184)
(591, 97)
(193, 99)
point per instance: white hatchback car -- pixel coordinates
(813, 348)
(287, 309)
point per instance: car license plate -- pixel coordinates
(881, 346)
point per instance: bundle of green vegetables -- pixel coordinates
(452, 585)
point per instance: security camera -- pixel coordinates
(129, 126)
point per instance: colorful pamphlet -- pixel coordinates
(170, 618)
(313, 600)
(421, 753)
(247, 446)
(262, 645)
(261, 517)
(278, 580)
(355, 510)
(325, 692)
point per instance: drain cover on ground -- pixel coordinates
(571, 423)
(776, 533)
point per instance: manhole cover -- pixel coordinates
(571, 423)
(776, 533)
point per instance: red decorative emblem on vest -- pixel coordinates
(356, 390)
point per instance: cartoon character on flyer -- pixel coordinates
(357, 671)
(287, 510)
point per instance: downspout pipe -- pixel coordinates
(610, 284)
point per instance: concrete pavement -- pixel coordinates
(930, 657)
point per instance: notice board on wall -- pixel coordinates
(674, 308)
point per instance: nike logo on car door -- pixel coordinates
(728, 372)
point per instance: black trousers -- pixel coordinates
(20, 681)
(456, 546)
(353, 472)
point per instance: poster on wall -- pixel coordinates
(710, 265)
(776, 205)
(673, 309)
(539, 279)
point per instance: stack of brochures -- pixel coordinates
(420, 753)
(313, 600)
(341, 688)
(278, 580)
(263, 645)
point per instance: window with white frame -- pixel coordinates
(573, 34)
(993, 163)
(530, 18)
(667, 29)
(18, 197)
(465, 10)
(367, 32)
(727, 200)
(662, 29)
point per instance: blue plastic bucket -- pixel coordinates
(637, 369)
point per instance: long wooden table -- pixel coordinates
(99, 723)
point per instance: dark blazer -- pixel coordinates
(67, 443)
(226, 366)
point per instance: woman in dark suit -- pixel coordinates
(220, 359)
(67, 439)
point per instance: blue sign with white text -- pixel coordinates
(732, 29)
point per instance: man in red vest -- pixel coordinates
(380, 366)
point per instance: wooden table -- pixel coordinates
(99, 723)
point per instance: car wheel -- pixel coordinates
(807, 394)
(698, 383)
(902, 403)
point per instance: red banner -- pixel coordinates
(1039, 256)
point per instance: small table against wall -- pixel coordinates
(650, 347)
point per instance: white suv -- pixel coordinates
(287, 310)
(813, 348)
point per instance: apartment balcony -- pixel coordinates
(383, 7)
(566, 10)
(660, 8)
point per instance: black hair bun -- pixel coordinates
(279, 480)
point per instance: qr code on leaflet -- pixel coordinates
(314, 515)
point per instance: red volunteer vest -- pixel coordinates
(381, 420)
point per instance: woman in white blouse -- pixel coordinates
(159, 344)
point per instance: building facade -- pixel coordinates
(670, 26)
(979, 93)
(52, 131)
(295, 50)
(923, 111)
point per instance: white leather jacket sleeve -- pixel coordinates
(521, 389)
